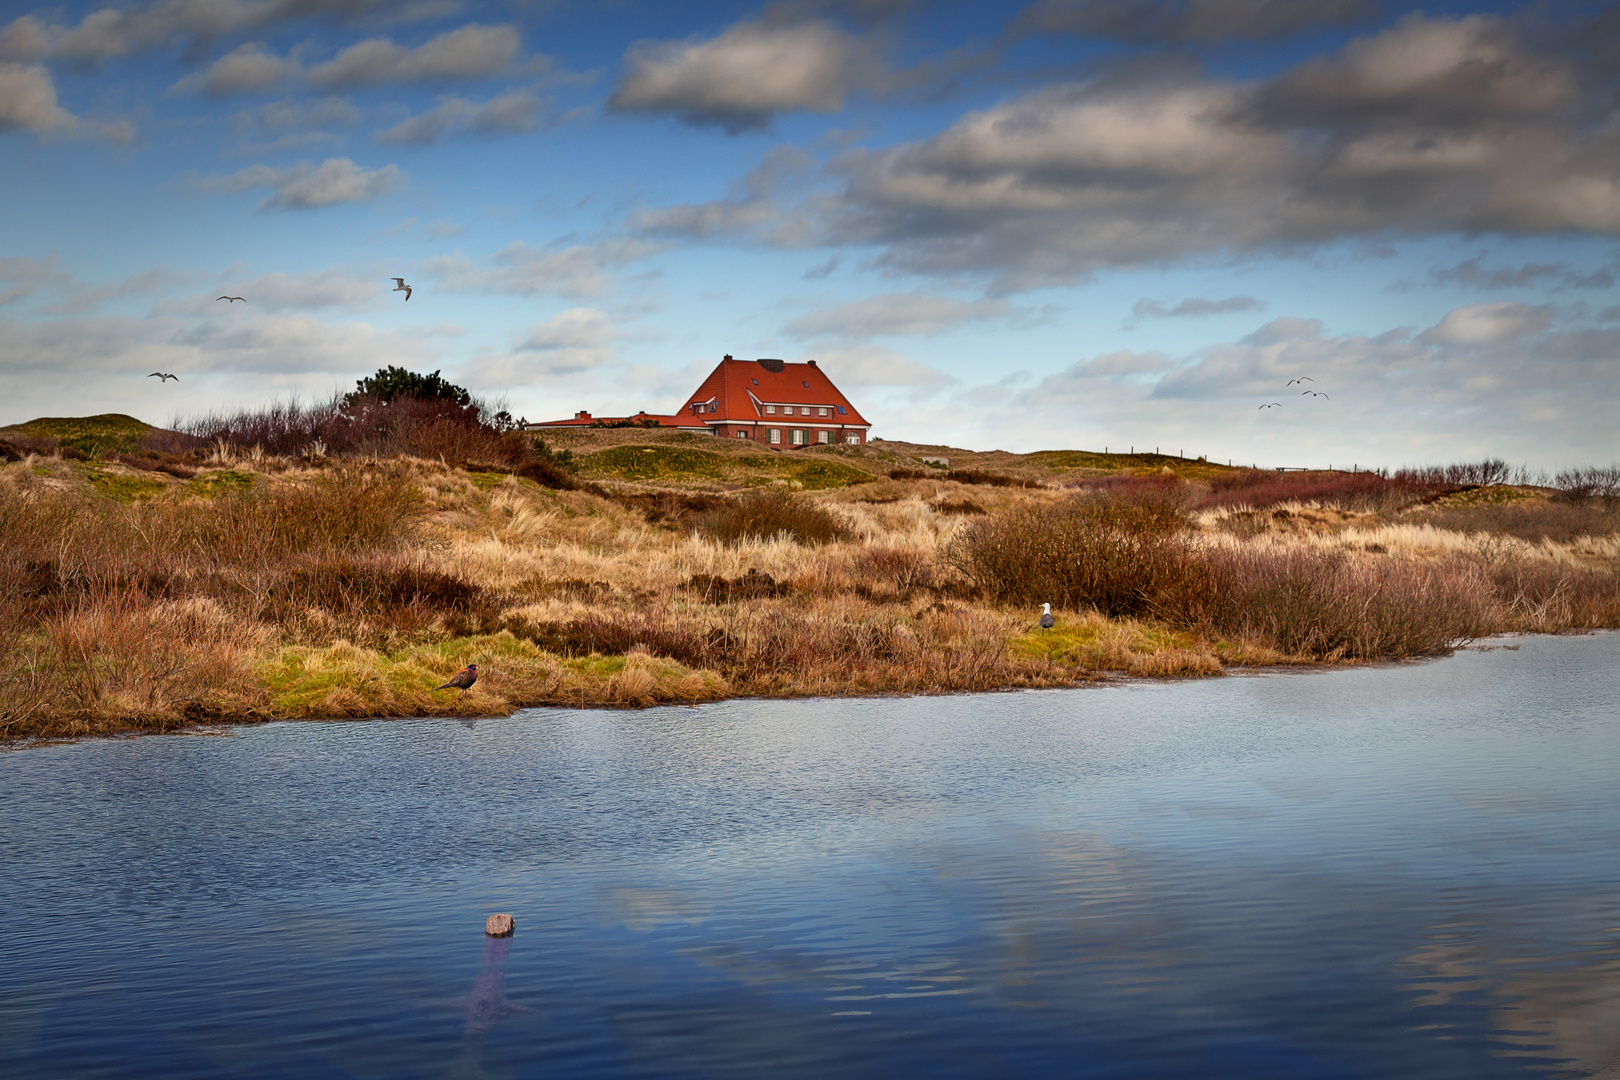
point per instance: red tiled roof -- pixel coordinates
(738, 390)
(585, 419)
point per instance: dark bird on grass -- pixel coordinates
(1046, 617)
(1302, 378)
(163, 376)
(232, 299)
(461, 680)
(400, 286)
(1313, 393)
(1273, 405)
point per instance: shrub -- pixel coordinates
(1259, 489)
(1532, 521)
(442, 427)
(765, 514)
(965, 476)
(1590, 481)
(395, 382)
(1323, 604)
(1112, 553)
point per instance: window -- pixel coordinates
(771, 409)
(756, 382)
(842, 411)
(742, 434)
(776, 436)
(821, 411)
(799, 437)
(821, 436)
(806, 385)
(852, 439)
(804, 410)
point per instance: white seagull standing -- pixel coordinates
(400, 286)
(1046, 617)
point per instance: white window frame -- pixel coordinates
(822, 436)
(776, 436)
(853, 439)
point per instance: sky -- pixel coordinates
(1024, 226)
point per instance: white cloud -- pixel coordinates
(247, 69)
(304, 186)
(278, 292)
(898, 314)
(28, 103)
(470, 52)
(1487, 324)
(128, 30)
(576, 271)
(99, 364)
(515, 112)
(1431, 126)
(1192, 307)
(879, 366)
(742, 79)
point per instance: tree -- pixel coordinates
(392, 382)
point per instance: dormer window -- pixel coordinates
(804, 410)
(821, 412)
(771, 409)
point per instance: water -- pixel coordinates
(1410, 871)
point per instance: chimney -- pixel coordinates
(582, 415)
(812, 363)
(727, 358)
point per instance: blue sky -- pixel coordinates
(1060, 224)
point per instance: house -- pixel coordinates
(772, 402)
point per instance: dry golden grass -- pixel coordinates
(279, 587)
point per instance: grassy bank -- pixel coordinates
(155, 584)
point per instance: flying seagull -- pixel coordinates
(400, 286)
(1313, 393)
(462, 680)
(232, 299)
(1046, 617)
(1273, 405)
(1302, 378)
(162, 376)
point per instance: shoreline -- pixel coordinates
(225, 727)
(257, 588)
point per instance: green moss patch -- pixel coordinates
(1493, 495)
(109, 433)
(1072, 459)
(219, 482)
(656, 462)
(122, 486)
(828, 474)
(486, 480)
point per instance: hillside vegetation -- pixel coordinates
(161, 578)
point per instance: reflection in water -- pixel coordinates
(1403, 872)
(484, 1005)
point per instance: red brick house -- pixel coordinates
(771, 402)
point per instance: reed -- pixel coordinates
(288, 585)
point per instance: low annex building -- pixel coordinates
(768, 401)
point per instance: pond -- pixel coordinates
(1403, 871)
